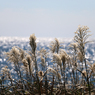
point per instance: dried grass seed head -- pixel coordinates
(15, 51)
(40, 74)
(25, 63)
(54, 72)
(64, 55)
(73, 45)
(55, 45)
(24, 69)
(43, 52)
(5, 70)
(33, 42)
(63, 58)
(84, 72)
(52, 47)
(32, 66)
(63, 52)
(93, 67)
(13, 55)
(22, 53)
(32, 38)
(80, 56)
(57, 59)
(42, 61)
(28, 58)
(81, 35)
(51, 70)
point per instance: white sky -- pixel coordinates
(45, 18)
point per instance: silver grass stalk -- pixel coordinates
(40, 74)
(84, 73)
(28, 58)
(57, 59)
(25, 67)
(25, 63)
(6, 74)
(92, 67)
(74, 47)
(80, 56)
(54, 72)
(22, 53)
(5, 70)
(81, 36)
(43, 52)
(13, 55)
(64, 57)
(55, 46)
(43, 62)
(33, 46)
(33, 42)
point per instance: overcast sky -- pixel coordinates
(45, 18)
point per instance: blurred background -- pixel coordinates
(45, 18)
